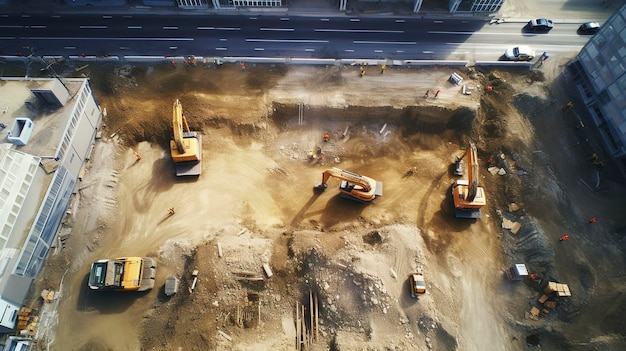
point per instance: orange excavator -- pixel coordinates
(353, 186)
(186, 147)
(468, 197)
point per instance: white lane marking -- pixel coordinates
(103, 38)
(277, 29)
(221, 49)
(400, 21)
(38, 27)
(223, 39)
(437, 21)
(287, 40)
(358, 30)
(11, 26)
(349, 50)
(355, 20)
(325, 19)
(170, 28)
(69, 47)
(107, 17)
(218, 28)
(378, 51)
(284, 19)
(135, 27)
(93, 27)
(309, 50)
(252, 18)
(385, 42)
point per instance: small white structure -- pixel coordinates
(20, 131)
(455, 78)
(517, 272)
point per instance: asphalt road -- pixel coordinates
(338, 37)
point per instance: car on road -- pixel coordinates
(417, 284)
(589, 28)
(542, 24)
(519, 53)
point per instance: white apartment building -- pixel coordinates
(50, 126)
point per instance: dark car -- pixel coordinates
(540, 24)
(589, 28)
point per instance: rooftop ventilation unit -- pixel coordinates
(20, 131)
(52, 94)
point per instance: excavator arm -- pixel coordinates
(178, 123)
(348, 176)
(353, 186)
(468, 196)
(186, 145)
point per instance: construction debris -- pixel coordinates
(171, 285)
(47, 295)
(195, 280)
(558, 288)
(268, 270)
(224, 335)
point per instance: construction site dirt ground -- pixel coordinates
(254, 204)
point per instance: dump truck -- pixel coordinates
(123, 274)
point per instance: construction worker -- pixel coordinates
(362, 71)
(564, 238)
(567, 106)
(437, 93)
(427, 92)
(137, 155)
(593, 220)
(170, 211)
(326, 137)
(382, 69)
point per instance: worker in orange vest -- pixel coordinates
(564, 238)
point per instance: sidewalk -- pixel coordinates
(560, 11)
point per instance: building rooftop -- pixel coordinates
(34, 99)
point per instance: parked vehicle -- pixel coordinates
(417, 284)
(589, 28)
(519, 53)
(540, 24)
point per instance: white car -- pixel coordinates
(519, 53)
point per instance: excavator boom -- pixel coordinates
(353, 186)
(186, 146)
(467, 195)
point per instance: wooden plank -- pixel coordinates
(224, 335)
(297, 327)
(317, 326)
(311, 312)
(268, 270)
